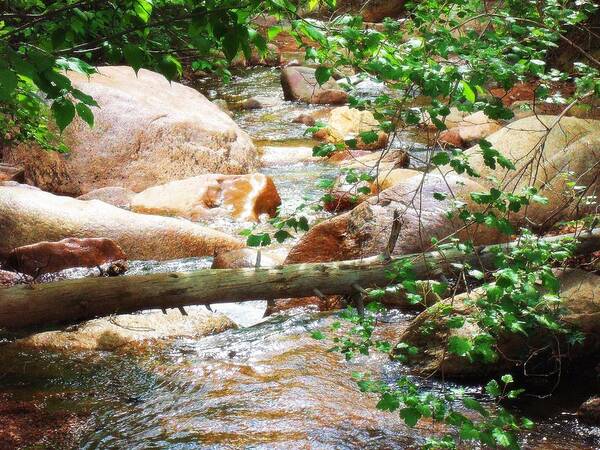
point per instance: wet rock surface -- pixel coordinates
(50, 257)
(300, 83)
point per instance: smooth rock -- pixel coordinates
(244, 197)
(30, 216)
(113, 195)
(130, 331)
(305, 119)
(548, 161)
(300, 83)
(147, 131)
(373, 10)
(346, 123)
(388, 179)
(49, 257)
(247, 257)
(365, 230)
(470, 130)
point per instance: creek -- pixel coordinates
(267, 384)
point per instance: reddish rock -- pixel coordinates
(343, 201)
(11, 173)
(305, 119)
(519, 92)
(365, 230)
(347, 154)
(49, 257)
(452, 138)
(300, 83)
(589, 411)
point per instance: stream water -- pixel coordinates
(266, 385)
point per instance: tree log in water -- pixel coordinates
(69, 301)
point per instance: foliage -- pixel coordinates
(40, 39)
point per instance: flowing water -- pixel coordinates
(266, 385)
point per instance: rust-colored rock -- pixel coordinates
(452, 138)
(50, 257)
(300, 83)
(11, 173)
(365, 230)
(147, 131)
(347, 155)
(305, 119)
(244, 197)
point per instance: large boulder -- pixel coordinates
(147, 131)
(371, 10)
(580, 292)
(28, 216)
(300, 83)
(128, 332)
(548, 154)
(365, 230)
(244, 197)
(50, 257)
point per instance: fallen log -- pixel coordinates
(70, 301)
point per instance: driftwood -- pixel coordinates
(69, 301)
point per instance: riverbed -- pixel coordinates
(267, 384)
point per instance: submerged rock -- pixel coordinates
(50, 257)
(29, 216)
(128, 331)
(244, 197)
(147, 131)
(300, 83)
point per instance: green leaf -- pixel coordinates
(258, 240)
(64, 112)
(388, 402)
(170, 67)
(322, 74)
(8, 83)
(231, 44)
(459, 345)
(468, 91)
(135, 56)
(85, 113)
(410, 415)
(493, 388)
(440, 159)
(143, 9)
(272, 32)
(318, 335)
(474, 405)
